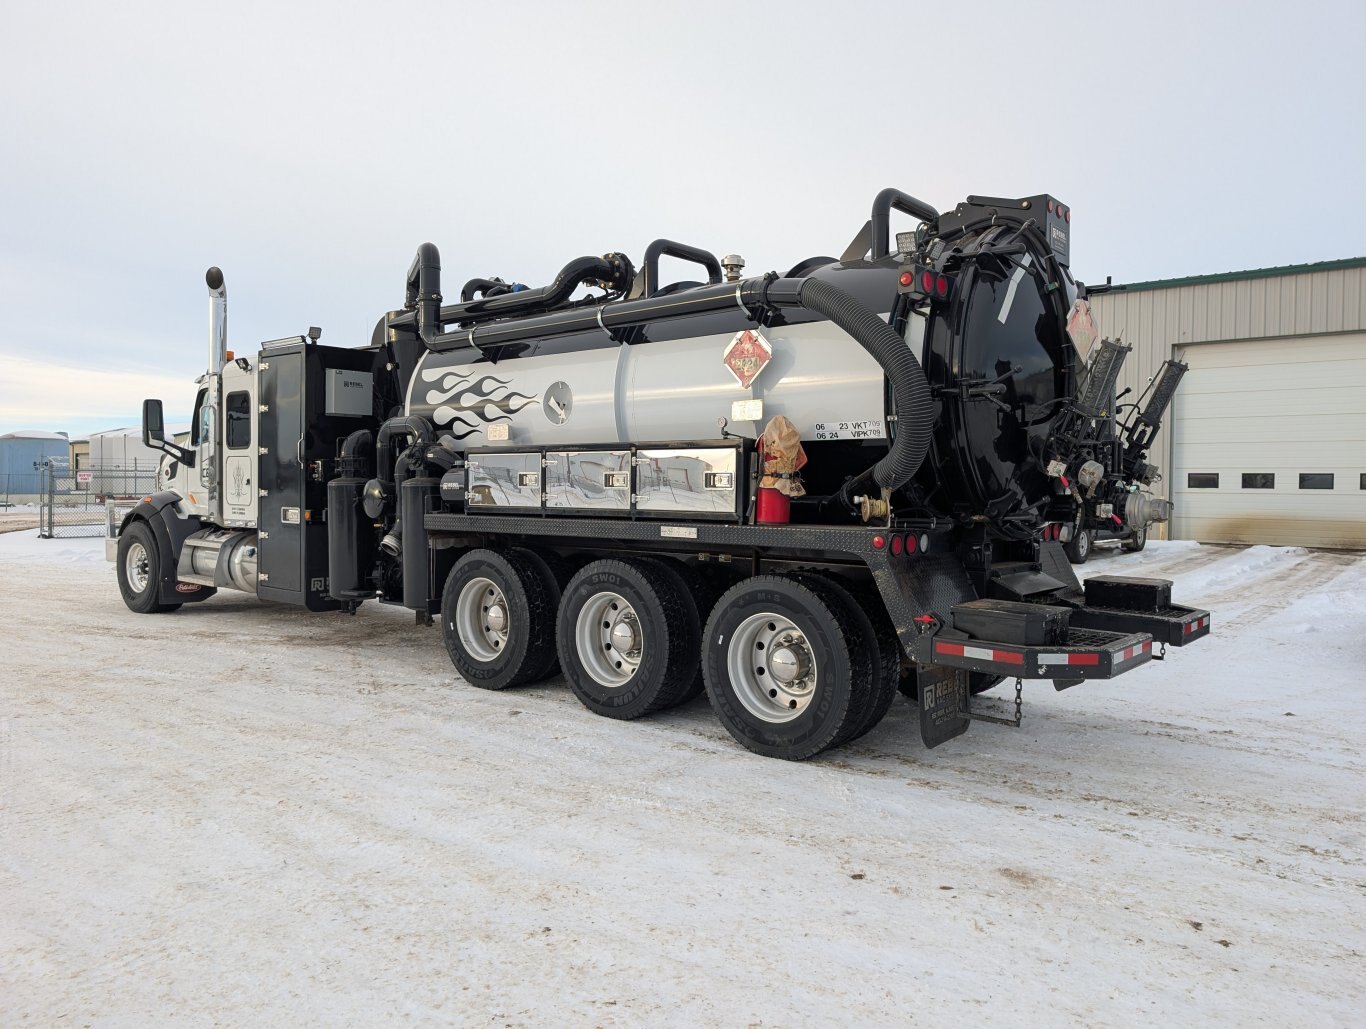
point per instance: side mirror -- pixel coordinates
(154, 434)
(153, 424)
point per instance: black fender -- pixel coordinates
(170, 530)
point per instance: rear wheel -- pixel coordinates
(497, 618)
(1137, 541)
(626, 637)
(1078, 548)
(139, 570)
(779, 671)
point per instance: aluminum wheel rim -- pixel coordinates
(771, 667)
(135, 567)
(610, 640)
(482, 619)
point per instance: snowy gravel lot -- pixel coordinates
(240, 813)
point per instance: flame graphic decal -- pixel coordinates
(468, 403)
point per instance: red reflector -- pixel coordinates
(879, 542)
(907, 278)
(1067, 216)
(898, 545)
(941, 286)
(927, 281)
(1083, 659)
(910, 543)
(1050, 207)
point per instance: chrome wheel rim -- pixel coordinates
(136, 567)
(771, 667)
(482, 619)
(610, 639)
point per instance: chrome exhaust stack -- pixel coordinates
(218, 320)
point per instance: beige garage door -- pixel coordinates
(1269, 443)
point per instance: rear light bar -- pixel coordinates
(902, 543)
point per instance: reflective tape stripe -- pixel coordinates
(1087, 658)
(1008, 657)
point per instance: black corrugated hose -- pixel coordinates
(910, 391)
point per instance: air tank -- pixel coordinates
(415, 496)
(350, 540)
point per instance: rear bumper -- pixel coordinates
(1086, 654)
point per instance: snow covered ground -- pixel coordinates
(241, 813)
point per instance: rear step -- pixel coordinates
(1116, 603)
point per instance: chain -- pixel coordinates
(1019, 701)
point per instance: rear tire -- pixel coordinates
(497, 619)
(780, 675)
(865, 649)
(139, 570)
(1078, 548)
(1137, 541)
(627, 638)
(699, 594)
(554, 575)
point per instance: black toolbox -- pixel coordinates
(1127, 593)
(1011, 621)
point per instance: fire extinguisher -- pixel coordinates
(773, 507)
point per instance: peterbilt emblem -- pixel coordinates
(559, 402)
(746, 356)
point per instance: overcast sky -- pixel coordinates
(308, 149)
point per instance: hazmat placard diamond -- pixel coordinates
(746, 356)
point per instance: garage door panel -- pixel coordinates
(1348, 400)
(1278, 406)
(1261, 353)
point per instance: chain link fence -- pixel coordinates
(80, 503)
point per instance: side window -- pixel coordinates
(238, 412)
(1202, 480)
(199, 423)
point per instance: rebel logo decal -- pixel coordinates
(465, 402)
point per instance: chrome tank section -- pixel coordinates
(550, 395)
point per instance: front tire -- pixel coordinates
(1137, 541)
(779, 672)
(139, 570)
(497, 619)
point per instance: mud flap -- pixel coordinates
(943, 705)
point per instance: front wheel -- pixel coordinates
(139, 568)
(1137, 541)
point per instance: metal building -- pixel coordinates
(22, 456)
(1266, 440)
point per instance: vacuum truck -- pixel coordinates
(803, 494)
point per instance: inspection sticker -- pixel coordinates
(871, 428)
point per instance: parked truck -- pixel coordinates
(801, 493)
